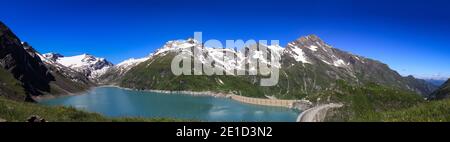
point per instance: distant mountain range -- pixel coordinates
(442, 92)
(436, 82)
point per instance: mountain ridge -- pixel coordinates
(308, 58)
(443, 92)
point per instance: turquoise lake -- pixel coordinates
(117, 102)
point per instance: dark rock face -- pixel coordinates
(25, 67)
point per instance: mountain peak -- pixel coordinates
(176, 45)
(309, 38)
(311, 41)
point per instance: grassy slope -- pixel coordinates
(14, 111)
(433, 111)
(436, 110)
(376, 103)
(10, 87)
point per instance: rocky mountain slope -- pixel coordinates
(32, 74)
(442, 92)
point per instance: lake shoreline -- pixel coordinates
(50, 96)
(301, 105)
(114, 102)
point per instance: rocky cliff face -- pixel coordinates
(26, 68)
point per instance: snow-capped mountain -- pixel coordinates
(217, 55)
(66, 72)
(126, 65)
(306, 50)
(89, 65)
(308, 65)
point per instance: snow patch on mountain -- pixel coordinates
(313, 48)
(50, 56)
(130, 63)
(176, 45)
(326, 62)
(298, 54)
(276, 48)
(339, 63)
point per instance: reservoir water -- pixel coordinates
(117, 102)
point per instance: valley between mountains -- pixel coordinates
(310, 70)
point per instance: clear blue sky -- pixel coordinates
(412, 37)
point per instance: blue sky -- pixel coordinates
(412, 37)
